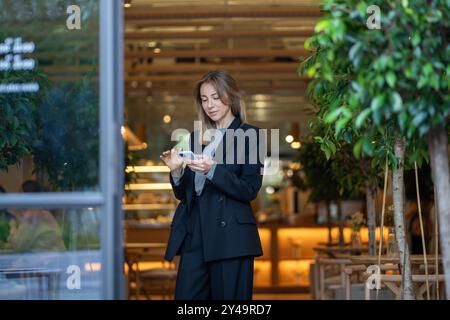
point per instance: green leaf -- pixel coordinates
(311, 72)
(348, 136)
(354, 50)
(427, 69)
(340, 124)
(332, 116)
(368, 147)
(318, 139)
(357, 148)
(397, 103)
(322, 25)
(434, 81)
(13, 140)
(415, 40)
(419, 118)
(326, 150)
(332, 146)
(391, 79)
(362, 117)
(377, 102)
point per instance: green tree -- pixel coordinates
(398, 86)
(16, 122)
(330, 176)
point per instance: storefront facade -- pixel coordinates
(62, 103)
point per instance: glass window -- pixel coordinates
(49, 94)
(50, 254)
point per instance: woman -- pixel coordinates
(213, 229)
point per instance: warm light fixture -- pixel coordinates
(260, 104)
(270, 190)
(127, 3)
(167, 118)
(147, 169)
(134, 143)
(289, 138)
(149, 186)
(157, 50)
(296, 145)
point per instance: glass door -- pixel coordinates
(61, 151)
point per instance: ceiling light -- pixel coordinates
(296, 145)
(289, 138)
(260, 104)
(167, 118)
(270, 189)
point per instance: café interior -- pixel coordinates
(311, 249)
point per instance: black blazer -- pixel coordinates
(228, 225)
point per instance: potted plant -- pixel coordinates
(355, 222)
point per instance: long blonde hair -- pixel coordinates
(228, 92)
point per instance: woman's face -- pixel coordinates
(211, 103)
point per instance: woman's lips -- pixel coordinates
(212, 114)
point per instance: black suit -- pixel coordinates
(225, 235)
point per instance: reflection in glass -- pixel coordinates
(50, 254)
(49, 95)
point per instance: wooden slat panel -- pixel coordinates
(228, 53)
(204, 67)
(219, 34)
(224, 11)
(194, 78)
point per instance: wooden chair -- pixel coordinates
(358, 270)
(330, 275)
(393, 282)
(160, 280)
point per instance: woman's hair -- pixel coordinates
(228, 92)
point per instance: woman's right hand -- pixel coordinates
(172, 160)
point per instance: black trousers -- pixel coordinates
(229, 279)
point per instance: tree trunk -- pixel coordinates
(371, 223)
(340, 223)
(330, 238)
(438, 142)
(399, 218)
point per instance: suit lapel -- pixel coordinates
(235, 124)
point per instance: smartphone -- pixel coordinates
(187, 155)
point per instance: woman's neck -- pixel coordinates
(225, 121)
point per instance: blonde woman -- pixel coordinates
(214, 230)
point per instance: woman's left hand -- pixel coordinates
(202, 164)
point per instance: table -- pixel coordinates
(47, 281)
(332, 251)
(415, 259)
(389, 280)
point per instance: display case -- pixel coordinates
(150, 201)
